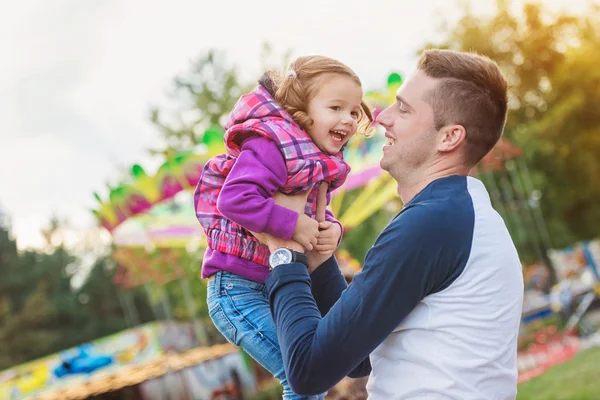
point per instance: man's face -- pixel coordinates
(409, 128)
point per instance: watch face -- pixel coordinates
(281, 256)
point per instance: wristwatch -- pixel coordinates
(284, 255)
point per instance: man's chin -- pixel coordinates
(383, 164)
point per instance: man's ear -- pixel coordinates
(452, 136)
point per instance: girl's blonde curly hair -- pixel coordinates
(293, 91)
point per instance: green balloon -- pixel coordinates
(394, 79)
(213, 136)
(137, 171)
(180, 158)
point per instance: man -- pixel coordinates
(435, 312)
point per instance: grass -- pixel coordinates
(269, 391)
(576, 379)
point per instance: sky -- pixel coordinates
(78, 77)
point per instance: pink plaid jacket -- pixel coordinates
(257, 113)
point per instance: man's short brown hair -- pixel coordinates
(472, 93)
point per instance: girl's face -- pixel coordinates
(335, 110)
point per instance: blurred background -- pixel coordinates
(111, 108)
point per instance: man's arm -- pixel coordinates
(399, 271)
(327, 285)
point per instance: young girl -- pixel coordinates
(286, 136)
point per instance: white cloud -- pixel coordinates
(47, 176)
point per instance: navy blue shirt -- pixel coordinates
(327, 330)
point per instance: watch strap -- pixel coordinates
(300, 257)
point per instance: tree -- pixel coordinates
(99, 311)
(204, 96)
(41, 312)
(551, 63)
(27, 334)
(207, 92)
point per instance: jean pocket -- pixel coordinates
(223, 324)
(240, 288)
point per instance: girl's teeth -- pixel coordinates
(337, 136)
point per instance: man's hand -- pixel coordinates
(328, 238)
(296, 202)
(330, 232)
(306, 232)
(315, 259)
(274, 243)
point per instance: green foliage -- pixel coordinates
(271, 391)
(551, 61)
(207, 92)
(28, 333)
(359, 240)
(204, 95)
(575, 379)
(41, 313)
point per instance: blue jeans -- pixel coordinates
(239, 308)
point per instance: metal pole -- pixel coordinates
(521, 196)
(537, 211)
(135, 319)
(538, 220)
(155, 311)
(124, 308)
(165, 303)
(509, 188)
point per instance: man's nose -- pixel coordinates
(383, 118)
